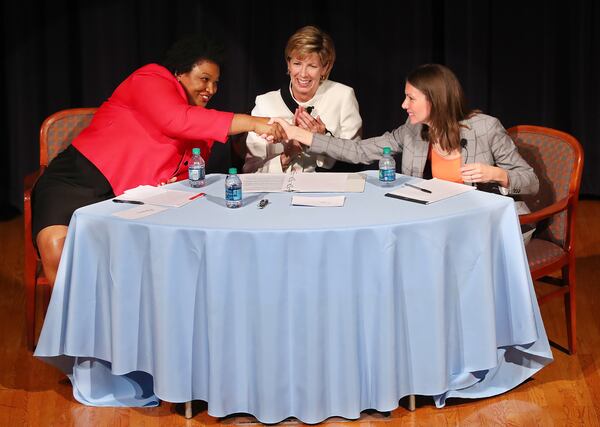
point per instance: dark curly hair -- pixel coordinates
(191, 50)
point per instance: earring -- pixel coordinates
(323, 78)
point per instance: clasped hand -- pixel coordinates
(303, 119)
(304, 126)
(480, 172)
(270, 130)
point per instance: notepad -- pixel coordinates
(440, 190)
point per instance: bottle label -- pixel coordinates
(387, 175)
(233, 194)
(196, 174)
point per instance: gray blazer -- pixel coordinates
(487, 142)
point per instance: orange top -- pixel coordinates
(446, 169)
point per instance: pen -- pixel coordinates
(133, 202)
(195, 196)
(418, 188)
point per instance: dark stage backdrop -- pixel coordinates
(525, 62)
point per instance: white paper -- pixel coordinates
(335, 201)
(142, 191)
(263, 182)
(158, 196)
(139, 211)
(318, 182)
(440, 190)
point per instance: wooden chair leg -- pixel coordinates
(30, 300)
(188, 409)
(570, 306)
(31, 264)
(30, 311)
(47, 292)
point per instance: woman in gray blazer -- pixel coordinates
(441, 138)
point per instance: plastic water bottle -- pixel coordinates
(387, 168)
(196, 170)
(233, 189)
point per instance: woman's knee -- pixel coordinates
(50, 242)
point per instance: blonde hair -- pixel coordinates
(309, 40)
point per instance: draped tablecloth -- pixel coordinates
(286, 311)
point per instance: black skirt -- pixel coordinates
(69, 182)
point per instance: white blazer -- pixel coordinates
(334, 102)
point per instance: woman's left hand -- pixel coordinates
(480, 172)
(303, 119)
(169, 181)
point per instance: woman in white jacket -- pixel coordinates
(310, 101)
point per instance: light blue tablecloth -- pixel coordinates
(295, 311)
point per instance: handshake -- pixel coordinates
(278, 130)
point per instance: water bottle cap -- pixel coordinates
(232, 171)
(387, 150)
(196, 151)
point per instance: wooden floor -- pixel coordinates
(567, 392)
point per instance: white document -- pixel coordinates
(262, 182)
(437, 189)
(158, 196)
(334, 201)
(317, 182)
(139, 211)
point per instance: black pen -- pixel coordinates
(424, 190)
(133, 202)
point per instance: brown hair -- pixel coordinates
(448, 104)
(309, 40)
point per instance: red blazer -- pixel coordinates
(146, 130)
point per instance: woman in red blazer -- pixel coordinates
(143, 134)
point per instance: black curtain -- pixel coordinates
(525, 62)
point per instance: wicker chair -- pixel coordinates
(56, 133)
(557, 159)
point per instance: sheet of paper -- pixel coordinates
(158, 196)
(439, 188)
(143, 191)
(356, 182)
(263, 182)
(330, 201)
(139, 211)
(172, 198)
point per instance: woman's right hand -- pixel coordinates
(270, 130)
(294, 132)
(287, 128)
